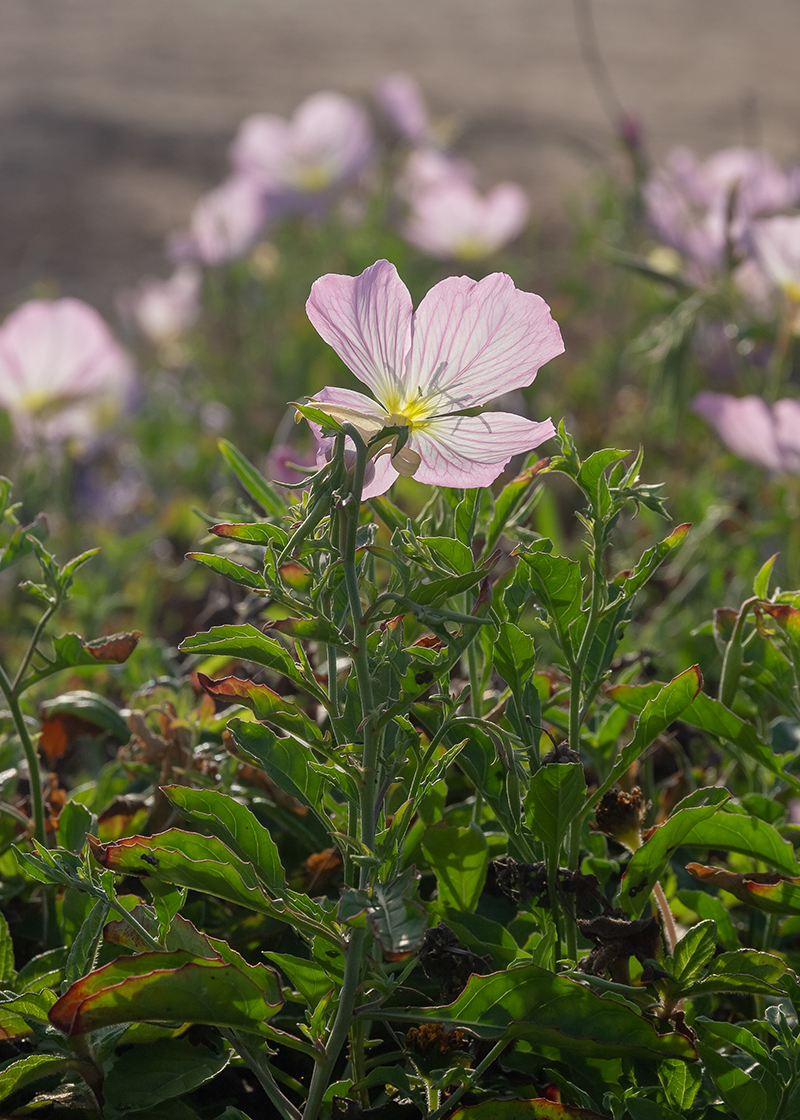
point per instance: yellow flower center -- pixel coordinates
(314, 178)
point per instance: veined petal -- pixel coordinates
(744, 424)
(473, 341)
(349, 407)
(472, 450)
(367, 321)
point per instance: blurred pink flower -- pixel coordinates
(427, 169)
(62, 373)
(164, 310)
(225, 223)
(776, 243)
(282, 461)
(453, 220)
(400, 98)
(768, 435)
(467, 343)
(326, 144)
(700, 208)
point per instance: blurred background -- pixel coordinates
(115, 117)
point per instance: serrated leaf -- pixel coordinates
(165, 987)
(648, 863)
(534, 1004)
(252, 532)
(740, 832)
(30, 1069)
(554, 801)
(744, 970)
(284, 758)
(743, 1096)
(264, 702)
(514, 656)
(693, 952)
(224, 566)
(557, 584)
(235, 825)
(246, 643)
(71, 651)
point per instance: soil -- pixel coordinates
(115, 115)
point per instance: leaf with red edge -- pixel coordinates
(788, 618)
(264, 702)
(166, 987)
(538, 1108)
(777, 894)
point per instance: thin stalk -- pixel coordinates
(284, 1107)
(467, 1084)
(29, 652)
(37, 801)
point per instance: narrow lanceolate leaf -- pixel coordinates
(650, 561)
(224, 566)
(258, 532)
(285, 759)
(235, 825)
(556, 582)
(764, 890)
(252, 480)
(743, 1095)
(669, 702)
(648, 863)
(264, 702)
(246, 643)
(534, 1004)
(166, 987)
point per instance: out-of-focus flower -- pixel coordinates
(429, 169)
(467, 343)
(283, 461)
(400, 98)
(297, 163)
(776, 242)
(62, 373)
(454, 220)
(768, 435)
(164, 310)
(705, 208)
(225, 223)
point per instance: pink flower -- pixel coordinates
(427, 168)
(164, 310)
(326, 144)
(225, 223)
(467, 343)
(700, 208)
(282, 461)
(400, 98)
(776, 243)
(768, 435)
(454, 220)
(62, 373)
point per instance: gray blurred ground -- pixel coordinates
(116, 114)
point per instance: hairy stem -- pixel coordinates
(37, 801)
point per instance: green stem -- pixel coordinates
(341, 1025)
(284, 1107)
(468, 1083)
(37, 801)
(29, 652)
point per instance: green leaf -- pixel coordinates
(266, 704)
(224, 566)
(7, 974)
(252, 480)
(43, 971)
(742, 1095)
(70, 568)
(590, 476)
(709, 906)
(508, 503)
(148, 1074)
(640, 1108)
(534, 1004)
(169, 987)
(648, 863)
(284, 759)
(438, 591)
(71, 651)
(258, 532)
(33, 1068)
(537, 1109)
(554, 801)
(83, 950)
(309, 978)
(557, 584)
(680, 1082)
(693, 952)
(745, 970)
(761, 582)
(396, 919)
(91, 707)
(244, 643)
(514, 656)
(670, 701)
(740, 832)
(74, 824)
(632, 581)
(234, 824)
(460, 859)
